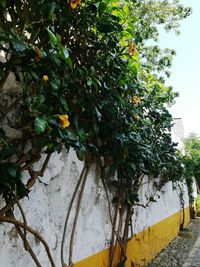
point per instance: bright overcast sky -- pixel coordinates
(185, 76)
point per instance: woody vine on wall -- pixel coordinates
(88, 81)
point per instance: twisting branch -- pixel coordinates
(33, 232)
(182, 204)
(27, 245)
(30, 183)
(112, 220)
(123, 209)
(36, 174)
(107, 196)
(24, 220)
(6, 74)
(68, 213)
(77, 213)
(125, 234)
(119, 230)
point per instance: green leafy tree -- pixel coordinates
(90, 82)
(85, 60)
(192, 157)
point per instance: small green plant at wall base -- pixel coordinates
(91, 83)
(198, 205)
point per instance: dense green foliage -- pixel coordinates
(90, 82)
(192, 159)
(87, 63)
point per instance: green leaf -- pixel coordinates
(12, 169)
(40, 125)
(64, 103)
(96, 128)
(69, 63)
(82, 135)
(146, 122)
(98, 114)
(48, 9)
(105, 27)
(35, 75)
(7, 152)
(133, 166)
(55, 84)
(71, 136)
(2, 133)
(53, 37)
(64, 54)
(102, 8)
(42, 141)
(19, 46)
(22, 191)
(131, 31)
(126, 10)
(3, 3)
(89, 82)
(81, 153)
(54, 146)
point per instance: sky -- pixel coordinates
(185, 76)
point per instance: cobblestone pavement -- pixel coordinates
(194, 256)
(183, 251)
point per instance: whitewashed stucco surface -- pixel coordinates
(46, 210)
(49, 200)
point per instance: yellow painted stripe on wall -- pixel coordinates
(147, 244)
(144, 246)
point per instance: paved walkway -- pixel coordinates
(183, 251)
(194, 256)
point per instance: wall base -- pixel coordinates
(144, 246)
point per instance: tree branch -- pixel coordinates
(68, 214)
(33, 232)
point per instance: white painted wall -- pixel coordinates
(46, 209)
(48, 203)
(167, 204)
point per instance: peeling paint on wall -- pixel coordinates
(47, 206)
